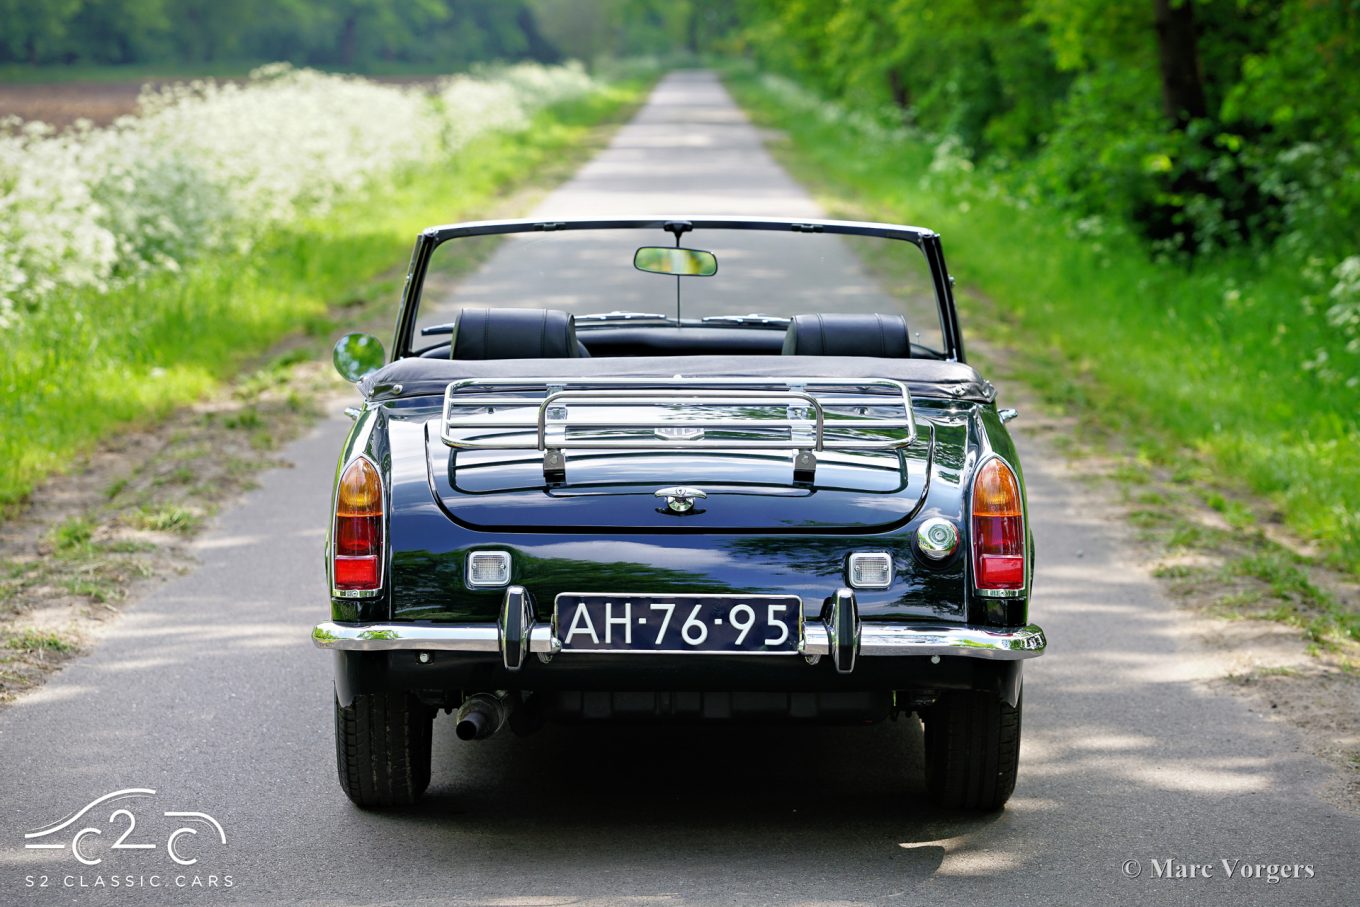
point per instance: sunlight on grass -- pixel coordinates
(37, 641)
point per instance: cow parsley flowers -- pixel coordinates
(210, 166)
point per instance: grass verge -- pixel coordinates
(84, 367)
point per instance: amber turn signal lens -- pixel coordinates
(998, 529)
(360, 492)
(996, 491)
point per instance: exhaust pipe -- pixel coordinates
(482, 715)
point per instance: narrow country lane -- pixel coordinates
(209, 693)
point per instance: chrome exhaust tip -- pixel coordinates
(482, 715)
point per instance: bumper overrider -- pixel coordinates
(840, 635)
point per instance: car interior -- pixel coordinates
(514, 333)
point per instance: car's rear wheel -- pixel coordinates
(972, 750)
(382, 748)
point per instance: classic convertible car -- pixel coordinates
(662, 508)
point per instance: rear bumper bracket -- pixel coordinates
(516, 620)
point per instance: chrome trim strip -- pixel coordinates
(999, 593)
(355, 593)
(966, 642)
(396, 637)
(876, 639)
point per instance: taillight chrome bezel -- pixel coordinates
(336, 591)
(1023, 590)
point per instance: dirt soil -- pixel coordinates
(62, 103)
(88, 540)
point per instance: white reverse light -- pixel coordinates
(871, 570)
(488, 568)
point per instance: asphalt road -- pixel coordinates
(209, 693)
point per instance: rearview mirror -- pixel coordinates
(358, 355)
(680, 262)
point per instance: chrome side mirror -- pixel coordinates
(358, 355)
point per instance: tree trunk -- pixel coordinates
(897, 85)
(349, 40)
(1178, 61)
(539, 47)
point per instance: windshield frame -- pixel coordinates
(431, 238)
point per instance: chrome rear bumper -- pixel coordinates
(842, 636)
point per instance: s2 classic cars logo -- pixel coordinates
(90, 845)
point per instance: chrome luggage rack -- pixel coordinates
(560, 414)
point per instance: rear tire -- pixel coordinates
(382, 749)
(972, 751)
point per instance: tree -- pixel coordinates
(33, 29)
(1178, 61)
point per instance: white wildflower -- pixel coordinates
(212, 166)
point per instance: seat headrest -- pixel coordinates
(884, 336)
(515, 334)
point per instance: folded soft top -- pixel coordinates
(417, 376)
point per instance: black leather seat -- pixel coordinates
(848, 335)
(515, 334)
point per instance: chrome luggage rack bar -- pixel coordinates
(676, 414)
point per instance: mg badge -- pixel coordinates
(679, 433)
(680, 499)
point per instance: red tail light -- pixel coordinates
(998, 528)
(357, 546)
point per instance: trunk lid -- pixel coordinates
(615, 489)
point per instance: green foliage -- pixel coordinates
(216, 38)
(352, 34)
(1216, 371)
(1244, 132)
(73, 535)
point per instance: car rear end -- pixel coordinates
(589, 547)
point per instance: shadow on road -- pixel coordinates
(649, 801)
